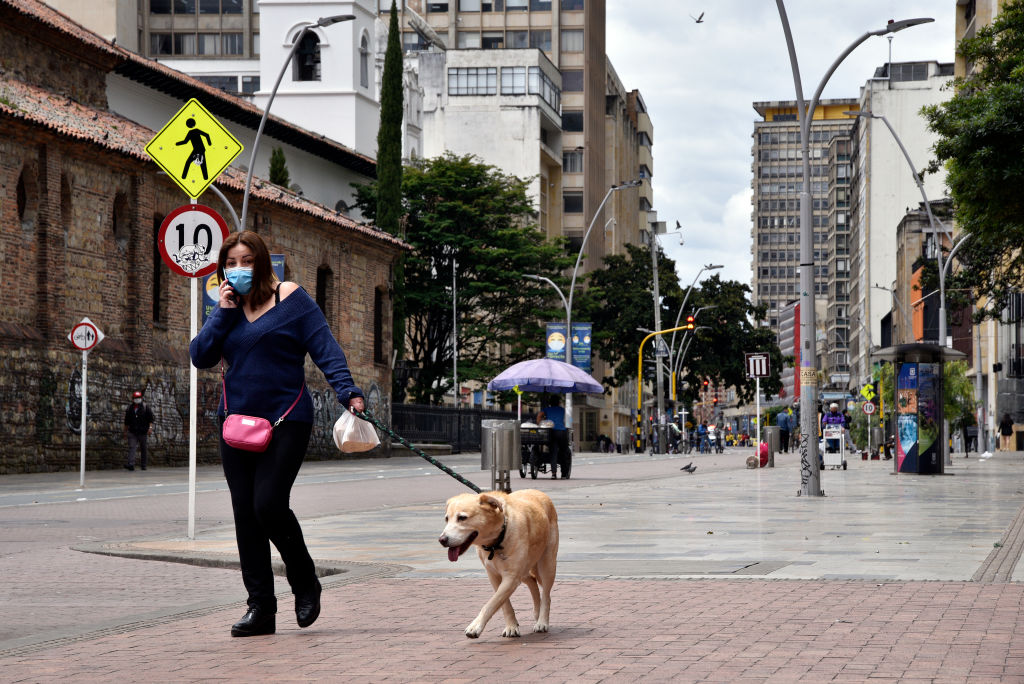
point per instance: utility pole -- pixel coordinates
(659, 424)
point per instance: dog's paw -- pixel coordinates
(540, 627)
(474, 630)
(511, 631)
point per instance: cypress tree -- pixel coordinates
(279, 168)
(389, 165)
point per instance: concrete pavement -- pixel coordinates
(663, 576)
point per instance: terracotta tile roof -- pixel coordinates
(75, 120)
(163, 78)
(66, 117)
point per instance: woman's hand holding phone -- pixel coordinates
(228, 300)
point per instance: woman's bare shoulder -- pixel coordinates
(288, 287)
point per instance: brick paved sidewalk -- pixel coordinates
(399, 630)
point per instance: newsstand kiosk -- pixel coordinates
(921, 444)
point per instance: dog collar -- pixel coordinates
(497, 542)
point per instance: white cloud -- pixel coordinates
(699, 82)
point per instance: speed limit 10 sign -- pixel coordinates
(868, 408)
(190, 239)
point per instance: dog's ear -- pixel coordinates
(492, 501)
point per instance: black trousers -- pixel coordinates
(559, 446)
(261, 485)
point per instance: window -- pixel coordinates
(518, 39)
(572, 40)
(413, 42)
(307, 59)
(184, 43)
(492, 5)
(645, 172)
(159, 6)
(160, 44)
(158, 270)
(513, 80)
(572, 121)
(228, 84)
(437, 6)
(184, 6)
(572, 202)
(541, 39)
(540, 84)
(250, 84)
(231, 44)
(469, 5)
(473, 81)
(572, 161)
(209, 43)
(644, 139)
(572, 81)
(255, 44)
(235, 6)
(364, 62)
(493, 40)
(512, 5)
(909, 72)
(209, 6)
(572, 4)
(540, 5)
(324, 276)
(467, 40)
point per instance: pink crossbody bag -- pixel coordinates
(250, 433)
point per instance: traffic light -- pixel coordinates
(689, 322)
(715, 401)
(705, 383)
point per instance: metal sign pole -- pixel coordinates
(193, 403)
(757, 402)
(81, 433)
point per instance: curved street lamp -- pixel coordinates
(321, 22)
(810, 477)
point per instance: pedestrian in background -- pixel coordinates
(263, 329)
(782, 422)
(1006, 432)
(559, 439)
(138, 420)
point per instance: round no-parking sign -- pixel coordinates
(85, 335)
(190, 239)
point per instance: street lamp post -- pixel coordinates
(810, 476)
(932, 221)
(322, 21)
(659, 381)
(706, 267)
(572, 289)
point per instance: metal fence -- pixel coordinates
(421, 424)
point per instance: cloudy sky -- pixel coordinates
(699, 81)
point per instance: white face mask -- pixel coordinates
(136, 401)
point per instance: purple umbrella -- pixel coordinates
(545, 375)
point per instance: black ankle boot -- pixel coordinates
(307, 605)
(255, 622)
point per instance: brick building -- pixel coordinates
(80, 204)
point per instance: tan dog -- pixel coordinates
(517, 536)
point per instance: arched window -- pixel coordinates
(307, 58)
(27, 199)
(379, 355)
(324, 283)
(121, 220)
(364, 62)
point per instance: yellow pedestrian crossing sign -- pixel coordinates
(193, 148)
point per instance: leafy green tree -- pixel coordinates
(462, 212)
(619, 301)
(980, 138)
(389, 168)
(279, 168)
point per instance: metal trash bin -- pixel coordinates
(500, 451)
(772, 436)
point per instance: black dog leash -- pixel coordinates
(419, 452)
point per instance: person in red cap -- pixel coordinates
(138, 420)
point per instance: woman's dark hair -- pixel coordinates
(262, 273)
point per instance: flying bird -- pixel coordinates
(700, 19)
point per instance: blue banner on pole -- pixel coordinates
(581, 345)
(555, 341)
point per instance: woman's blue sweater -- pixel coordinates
(266, 358)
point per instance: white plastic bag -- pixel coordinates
(353, 435)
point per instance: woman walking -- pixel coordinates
(263, 329)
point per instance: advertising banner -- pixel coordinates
(906, 418)
(928, 414)
(555, 341)
(581, 345)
